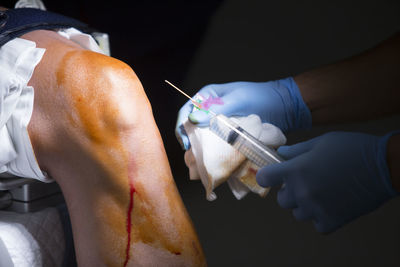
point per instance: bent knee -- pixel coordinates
(104, 94)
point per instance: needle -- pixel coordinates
(197, 104)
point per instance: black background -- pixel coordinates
(193, 43)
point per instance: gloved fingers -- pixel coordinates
(289, 152)
(180, 132)
(286, 199)
(301, 214)
(200, 118)
(229, 105)
(272, 175)
(184, 112)
(182, 137)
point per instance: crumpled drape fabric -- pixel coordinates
(213, 161)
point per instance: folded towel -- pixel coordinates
(213, 161)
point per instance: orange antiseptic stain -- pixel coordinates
(152, 230)
(93, 116)
(88, 92)
(97, 120)
(87, 89)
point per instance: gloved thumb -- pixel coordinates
(200, 118)
(229, 106)
(272, 175)
(289, 152)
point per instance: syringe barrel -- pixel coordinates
(242, 141)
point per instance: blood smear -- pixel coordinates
(129, 221)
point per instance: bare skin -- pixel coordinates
(93, 131)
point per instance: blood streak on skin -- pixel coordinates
(129, 215)
(253, 171)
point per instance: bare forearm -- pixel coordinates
(360, 88)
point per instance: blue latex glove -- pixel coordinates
(332, 179)
(278, 102)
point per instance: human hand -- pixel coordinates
(277, 102)
(331, 179)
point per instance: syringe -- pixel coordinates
(236, 136)
(243, 141)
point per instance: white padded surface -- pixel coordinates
(33, 239)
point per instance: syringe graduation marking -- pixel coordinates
(248, 139)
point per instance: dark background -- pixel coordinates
(193, 43)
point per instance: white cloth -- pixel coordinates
(86, 41)
(30, 4)
(213, 161)
(5, 259)
(18, 59)
(31, 239)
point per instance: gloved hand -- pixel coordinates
(332, 179)
(277, 102)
